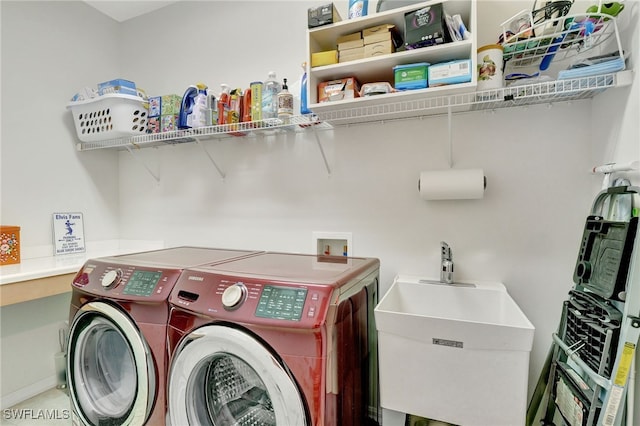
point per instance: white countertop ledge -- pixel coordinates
(36, 264)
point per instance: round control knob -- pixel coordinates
(233, 296)
(111, 278)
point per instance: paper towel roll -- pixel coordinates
(453, 184)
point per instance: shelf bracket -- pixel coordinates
(324, 157)
(139, 160)
(220, 172)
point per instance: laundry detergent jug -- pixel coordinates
(193, 109)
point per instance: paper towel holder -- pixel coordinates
(450, 131)
(451, 169)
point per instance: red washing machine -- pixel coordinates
(117, 355)
(275, 339)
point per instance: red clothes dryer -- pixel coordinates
(117, 353)
(275, 339)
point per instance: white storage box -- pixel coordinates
(109, 116)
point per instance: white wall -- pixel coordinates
(50, 50)
(525, 232)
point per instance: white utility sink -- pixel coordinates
(456, 353)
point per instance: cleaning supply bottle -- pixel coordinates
(193, 108)
(358, 8)
(223, 104)
(186, 106)
(246, 105)
(304, 109)
(285, 103)
(212, 120)
(235, 104)
(270, 90)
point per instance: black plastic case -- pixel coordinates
(605, 255)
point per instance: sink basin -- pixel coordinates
(457, 353)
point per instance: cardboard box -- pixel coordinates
(169, 123)
(351, 54)
(153, 125)
(382, 33)
(322, 15)
(155, 106)
(425, 27)
(377, 38)
(9, 245)
(119, 85)
(351, 44)
(170, 104)
(384, 28)
(377, 49)
(337, 90)
(452, 72)
(327, 57)
(349, 37)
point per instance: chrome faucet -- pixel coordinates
(446, 263)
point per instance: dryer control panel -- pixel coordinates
(126, 282)
(252, 301)
(281, 302)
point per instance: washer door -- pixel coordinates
(222, 376)
(110, 369)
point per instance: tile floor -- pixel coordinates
(50, 408)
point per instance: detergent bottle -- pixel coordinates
(193, 108)
(223, 104)
(246, 105)
(270, 90)
(235, 106)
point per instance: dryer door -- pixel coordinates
(223, 376)
(110, 370)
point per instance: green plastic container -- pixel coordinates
(411, 76)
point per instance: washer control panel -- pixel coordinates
(252, 300)
(126, 281)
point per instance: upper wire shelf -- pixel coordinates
(507, 97)
(556, 39)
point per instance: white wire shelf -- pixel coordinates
(345, 114)
(508, 97)
(247, 129)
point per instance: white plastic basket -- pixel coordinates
(109, 116)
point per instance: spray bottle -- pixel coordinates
(358, 8)
(304, 109)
